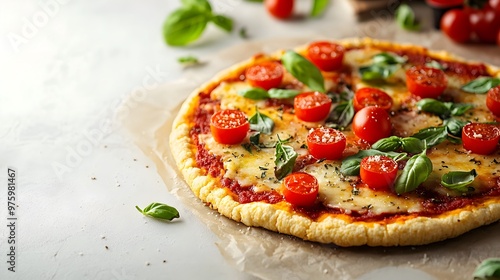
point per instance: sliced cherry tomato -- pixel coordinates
(326, 143)
(485, 24)
(265, 75)
(480, 138)
(281, 9)
(378, 172)
(312, 106)
(327, 56)
(493, 100)
(426, 82)
(365, 97)
(456, 25)
(300, 189)
(372, 124)
(229, 126)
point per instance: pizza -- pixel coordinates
(351, 142)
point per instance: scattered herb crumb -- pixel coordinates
(188, 60)
(243, 33)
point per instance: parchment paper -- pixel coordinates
(269, 255)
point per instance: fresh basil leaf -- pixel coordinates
(388, 144)
(254, 93)
(159, 211)
(481, 85)
(303, 70)
(458, 109)
(341, 116)
(200, 4)
(488, 269)
(255, 139)
(285, 157)
(188, 60)
(458, 180)
(412, 145)
(350, 165)
(223, 22)
(435, 64)
(318, 7)
(405, 17)
(185, 25)
(454, 126)
(346, 95)
(283, 93)
(388, 58)
(432, 136)
(434, 106)
(417, 170)
(377, 71)
(262, 123)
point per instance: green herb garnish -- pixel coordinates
(159, 211)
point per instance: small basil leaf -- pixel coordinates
(434, 106)
(282, 93)
(341, 116)
(412, 145)
(388, 144)
(458, 180)
(255, 139)
(346, 95)
(488, 269)
(303, 70)
(435, 64)
(188, 60)
(458, 109)
(417, 170)
(388, 58)
(254, 93)
(223, 22)
(481, 85)
(406, 19)
(318, 7)
(432, 135)
(454, 127)
(285, 157)
(377, 72)
(200, 4)
(184, 26)
(262, 123)
(159, 211)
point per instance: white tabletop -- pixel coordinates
(65, 66)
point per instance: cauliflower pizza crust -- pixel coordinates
(242, 182)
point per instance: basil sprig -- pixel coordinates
(257, 93)
(451, 130)
(351, 164)
(303, 70)
(481, 85)
(488, 269)
(405, 17)
(285, 157)
(261, 123)
(384, 65)
(416, 171)
(458, 180)
(443, 109)
(341, 115)
(407, 144)
(318, 7)
(159, 211)
(186, 24)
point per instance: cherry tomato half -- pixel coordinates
(326, 142)
(426, 82)
(325, 55)
(378, 172)
(265, 75)
(456, 25)
(300, 189)
(312, 106)
(281, 9)
(229, 126)
(365, 97)
(493, 100)
(372, 124)
(480, 138)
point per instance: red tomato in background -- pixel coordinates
(425, 82)
(312, 106)
(325, 55)
(229, 126)
(456, 25)
(480, 138)
(378, 172)
(265, 75)
(485, 24)
(372, 124)
(281, 9)
(365, 97)
(498, 38)
(300, 189)
(326, 143)
(493, 100)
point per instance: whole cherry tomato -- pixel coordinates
(378, 172)
(281, 9)
(312, 106)
(425, 82)
(493, 100)
(456, 25)
(498, 38)
(365, 97)
(265, 75)
(480, 138)
(326, 143)
(229, 126)
(325, 55)
(300, 189)
(372, 124)
(485, 24)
